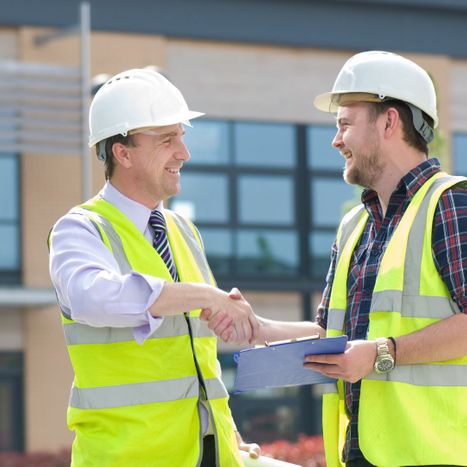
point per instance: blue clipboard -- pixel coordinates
(280, 364)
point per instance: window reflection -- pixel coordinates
(459, 145)
(218, 246)
(9, 213)
(204, 197)
(207, 142)
(8, 188)
(330, 198)
(262, 251)
(9, 257)
(264, 144)
(266, 199)
(321, 155)
(320, 247)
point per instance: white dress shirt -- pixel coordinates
(90, 288)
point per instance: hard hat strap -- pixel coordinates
(101, 154)
(420, 124)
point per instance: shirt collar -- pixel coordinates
(410, 182)
(136, 212)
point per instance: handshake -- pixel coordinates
(231, 317)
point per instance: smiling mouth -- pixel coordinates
(173, 171)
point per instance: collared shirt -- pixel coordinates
(449, 244)
(87, 279)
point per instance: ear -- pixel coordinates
(122, 155)
(391, 123)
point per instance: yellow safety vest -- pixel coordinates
(137, 405)
(416, 414)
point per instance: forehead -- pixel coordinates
(353, 110)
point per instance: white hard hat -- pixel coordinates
(381, 76)
(133, 99)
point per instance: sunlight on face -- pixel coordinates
(358, 141)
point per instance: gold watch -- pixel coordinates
(384, 362)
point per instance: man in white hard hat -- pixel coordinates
(397, 280)
(131, 278)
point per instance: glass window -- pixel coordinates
(9, 256)
(264, 144)
(204, 197)
(320, 247)
(8, 188)
(266, 199)
(460, 153)
(330, 199)
(263, 251)
(321, 155)
(207, 142)
(11, 400)
(218, 247)
(9, 213)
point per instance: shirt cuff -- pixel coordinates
(146, 330)
(141, 333)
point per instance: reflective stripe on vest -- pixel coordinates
(76, 333)
(115, 243)
(125, 395)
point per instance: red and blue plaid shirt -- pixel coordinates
(449, 252)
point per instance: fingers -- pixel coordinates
(252, 449)
(229, 336)
(220, 323)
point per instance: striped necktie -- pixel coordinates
(161, 242)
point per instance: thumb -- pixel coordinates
(205, 314)
(235, 294)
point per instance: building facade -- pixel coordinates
(263, 185)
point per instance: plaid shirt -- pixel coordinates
(449, 251)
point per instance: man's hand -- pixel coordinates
(231, 318)
(354, 364)
(251, 448)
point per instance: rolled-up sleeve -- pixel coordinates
(90, 288)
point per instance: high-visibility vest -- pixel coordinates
(416, 414)
(137, 405)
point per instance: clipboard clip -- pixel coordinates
(295, 339)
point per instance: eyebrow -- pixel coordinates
(341, 120)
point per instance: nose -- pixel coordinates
(182, 152)
(337, 142)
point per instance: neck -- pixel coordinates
(395, 169)
(130, 191)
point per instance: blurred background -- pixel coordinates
(264, 185)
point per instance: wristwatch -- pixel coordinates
(384, 362)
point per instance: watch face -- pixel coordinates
(384, 365)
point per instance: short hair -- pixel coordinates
(109, 164)
(411, 136)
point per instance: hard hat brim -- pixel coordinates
(324, 102)
(331, 101)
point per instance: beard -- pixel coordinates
(366, 167)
